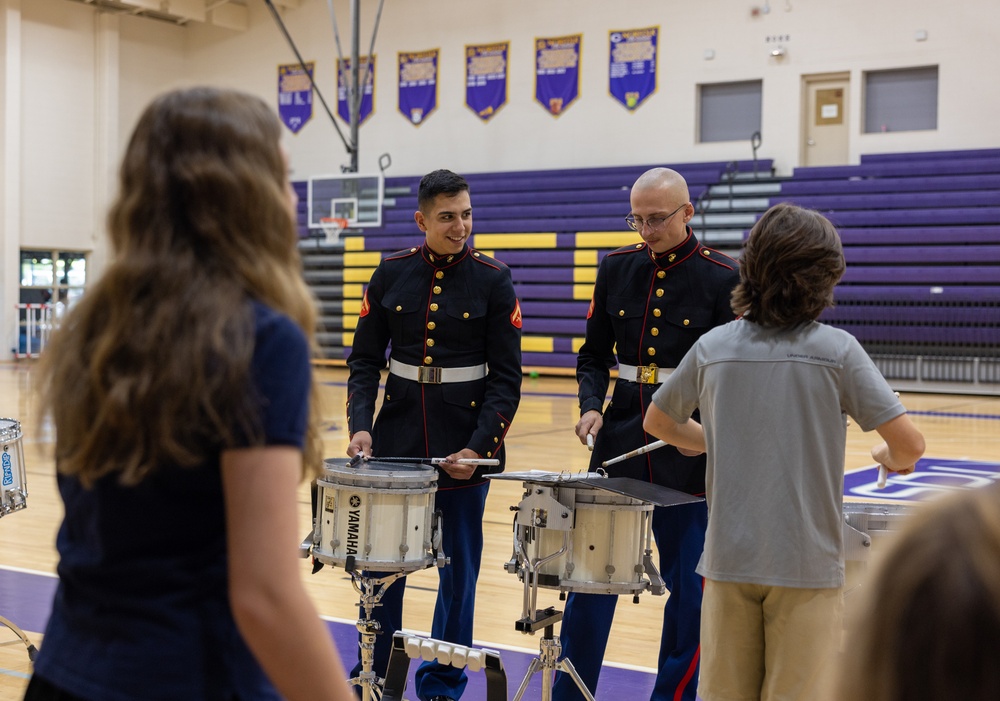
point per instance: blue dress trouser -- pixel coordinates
(680, 538)
(462, 541)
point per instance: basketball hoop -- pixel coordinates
(332, 228)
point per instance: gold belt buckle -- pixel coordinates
(646, 374)
(427, 375)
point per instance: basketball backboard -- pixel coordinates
(355, 197)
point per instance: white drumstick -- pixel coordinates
(590, 442)
(883, 475)
(638, 451)
(489, 462)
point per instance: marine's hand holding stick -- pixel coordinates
(588, 426)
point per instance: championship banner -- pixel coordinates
(367, 92)
(295, 95)
(557, 72)
(486, 78)
(418, 74)
(632, 65)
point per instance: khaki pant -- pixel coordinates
(768, 643)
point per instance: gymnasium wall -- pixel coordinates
(831, 36)
(74, 80)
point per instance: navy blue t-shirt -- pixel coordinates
(142, 611)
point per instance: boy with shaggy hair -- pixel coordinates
(774, 389)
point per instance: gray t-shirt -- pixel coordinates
(773, 404)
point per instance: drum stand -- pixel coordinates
(369, 681)
(548, 661)
(533, 619)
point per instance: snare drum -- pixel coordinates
(868, 529)
(13, 489)
(377, 515)
(605, 548)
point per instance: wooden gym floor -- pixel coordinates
(957, 427)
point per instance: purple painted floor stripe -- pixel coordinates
(26, 599)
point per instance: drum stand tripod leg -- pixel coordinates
(32, 650)
(548, 663)
(368, 679)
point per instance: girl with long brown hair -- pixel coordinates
(180, 389)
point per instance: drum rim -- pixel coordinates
(377, 478)
(374, 565)
(13, 430)
(876, 508)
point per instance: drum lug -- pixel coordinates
(305, 547)
(510, 567)
(440, 559)
(856, 543)
(657, 586)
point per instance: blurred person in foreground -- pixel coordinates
(929, 627)
(181, 392)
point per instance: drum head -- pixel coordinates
(374, 473)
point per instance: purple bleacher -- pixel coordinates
(549, 360)
(959, 166)
(617, 196)
(554, 292)
(910, 314)
(921, 235)
(929, 183)
(529, 211)
(891, 274)
(536, 258)
(548, 326)
(391, 244)
(944, 216)
(921, 293)
(560, 225)
(564, 177)
(914, 334)
(580, 178)
(918, 235)
(933, 255)
(543, 274)
(930, 155)
(577, 310)
(886, 200)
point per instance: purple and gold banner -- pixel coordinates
(367, 92)
(557, 72)
(418, 77)
(486, 78)
(632, 65)
(295, 95)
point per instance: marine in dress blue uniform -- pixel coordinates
(453, 323)
(651, 301)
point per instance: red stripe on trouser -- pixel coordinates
(694, 664)
(687, 675)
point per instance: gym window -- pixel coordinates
(729, 111)
(901, 100)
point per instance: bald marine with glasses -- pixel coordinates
(652, 300)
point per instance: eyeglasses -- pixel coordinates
(654, 223)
